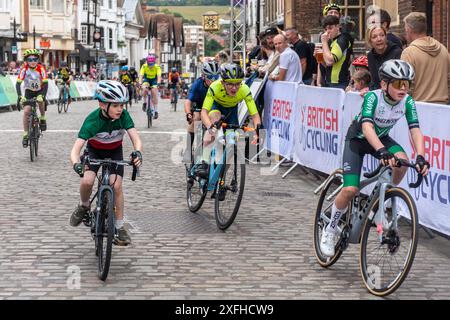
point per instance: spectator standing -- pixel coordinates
(360, 82)
(430, 60)
(303, 51)
(382, 17)
(270, 57)
(289, 66)
(337, 48)
(382, 50)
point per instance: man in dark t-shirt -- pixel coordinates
(303, 51)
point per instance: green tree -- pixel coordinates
(212, 47)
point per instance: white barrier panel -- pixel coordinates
(83, 89)
(53, 91)
(319, 128)
(280, 116)
(91, 87)
(433, 201)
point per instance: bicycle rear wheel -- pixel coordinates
(385, 262)
(229, 191)
(322, 217)
(37, 133)
(104, 233)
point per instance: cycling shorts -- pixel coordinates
(153, 83)
(195, 107)
(114, 154)
(29, 94)
(231, 114)
(354, 151)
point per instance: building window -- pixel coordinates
(110, 4)
(37, 4)
(58, 6)
(110, 31)
(102, 38)
(5, 5)
(84, 32)
(86, 5)
(356, 9)
(390, 6)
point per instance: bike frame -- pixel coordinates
(358, 217)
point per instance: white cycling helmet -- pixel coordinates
(210, 69)
(396, 69)
(109, 91)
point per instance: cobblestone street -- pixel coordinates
(266, 254)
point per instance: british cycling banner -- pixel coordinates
(317, 142)
(433, 201)
(280, 117)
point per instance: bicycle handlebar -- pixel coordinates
(400, 163)
(100, 162)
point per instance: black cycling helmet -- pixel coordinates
(331, 6)
(396, 69)
(231, 72)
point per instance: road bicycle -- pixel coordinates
(226, 177)
(63, 99)
(385, 223)
(101, 220)
(149, 108)
(34, 130)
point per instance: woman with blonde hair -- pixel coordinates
(381, 50)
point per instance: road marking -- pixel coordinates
(75, 131)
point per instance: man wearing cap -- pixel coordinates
(269, 34)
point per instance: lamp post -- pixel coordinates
(34, 37)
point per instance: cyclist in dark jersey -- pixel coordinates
(194, 102)
(369, 134)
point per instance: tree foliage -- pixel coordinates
(212, 47)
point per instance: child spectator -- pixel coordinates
(360, 82)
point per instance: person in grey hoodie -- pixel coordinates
(382, 50)
(430, 59)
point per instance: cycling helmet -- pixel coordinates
(210, 69)
(132, 68)
(63, 64)
(331, 6)
(151, 59)
(174, 69)
(124, 68)
(31, 52)
(109, 91)
(361, 61)
(396, 69)
(231, 72)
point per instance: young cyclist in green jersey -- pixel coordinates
(103, 129)
(223, 98)
(369, 134)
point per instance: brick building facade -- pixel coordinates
(306, 15)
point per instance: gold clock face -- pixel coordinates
(211, 23)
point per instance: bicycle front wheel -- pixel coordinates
(229, 191)
(66, 106)
(387, 255)
(31, 135)
(104, 233)
(322, 217)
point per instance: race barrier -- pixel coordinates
(308, 125)
(78, 90)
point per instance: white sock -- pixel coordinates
(119, 223)
(85, 204)
(335, 216)
(155, 108)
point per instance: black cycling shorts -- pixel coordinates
(114, 154)
(196, 107)
(354, 151)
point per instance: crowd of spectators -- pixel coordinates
(285, 56)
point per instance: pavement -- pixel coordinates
(266, 254)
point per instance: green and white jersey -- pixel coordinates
(383, 115)
(102, 133)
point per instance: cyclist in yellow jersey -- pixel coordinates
(150, 76)
(223, 98)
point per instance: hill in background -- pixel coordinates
(196, 12)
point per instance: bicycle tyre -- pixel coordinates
(334, 179)
(149, 111)
(31, 137)
(194, 205)
(37, 133)
(222, 221)
(105, 229)
(60, 106)
(365, 267)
